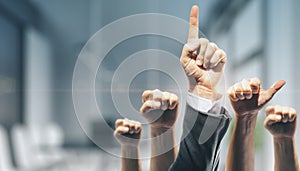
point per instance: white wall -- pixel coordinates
(38, 92)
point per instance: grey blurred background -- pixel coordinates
(40, 42)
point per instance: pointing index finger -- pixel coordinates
(194, 24)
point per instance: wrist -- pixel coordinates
(129, 151)
(247, 116)
(130, 147)
(246, 123)
(163, 139)
(157, 131)
(205, 92)
(283, 139)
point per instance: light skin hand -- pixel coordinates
(248, 97)
(128, 132)
(202, 61)
(159, 108)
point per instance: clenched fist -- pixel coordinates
(128, 132)
(202, 61)
(248, 97)
(281, 121)
(159, 108)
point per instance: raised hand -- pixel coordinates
(159, 108)
(281, 121)
(248, 97)
(128, 132)
(202, 61)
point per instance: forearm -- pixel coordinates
(285, 154)
(241, 148)
(162, 140)
(130, 159)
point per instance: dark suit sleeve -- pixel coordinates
(194, 153)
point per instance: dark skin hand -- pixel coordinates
(252, 97)
(247, 98)
(281, 122)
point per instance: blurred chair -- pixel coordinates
(5, 156)
(38, 147)
(47, 140)
(48, 135)
(24, 156)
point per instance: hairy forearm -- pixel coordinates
(164, 141)
(285, 154)
(241, 148)
(130, 159)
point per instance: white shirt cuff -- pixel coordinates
(202, 104)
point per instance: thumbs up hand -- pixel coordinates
(248, 97)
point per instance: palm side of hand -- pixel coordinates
(202, 60)
(208, 78)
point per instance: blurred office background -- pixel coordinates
(41, 40)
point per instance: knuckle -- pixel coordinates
(156, 90)
(293, 111)
(176, 99)
(245, 80)
(204, 40)
(214, 46)
(221, 52)
(146, 93)
(256, 80)
(231, 94)
(119, 120)
(269, 109)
